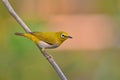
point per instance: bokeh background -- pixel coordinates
(92, 54)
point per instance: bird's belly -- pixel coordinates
(45, 45)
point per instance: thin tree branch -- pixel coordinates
(25, 27)
(14, 14)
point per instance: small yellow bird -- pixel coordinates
(46, 40)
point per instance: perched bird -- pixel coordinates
(46, 40)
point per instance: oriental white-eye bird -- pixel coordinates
(46, 40)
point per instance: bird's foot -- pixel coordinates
(48, 56)
(43, 49)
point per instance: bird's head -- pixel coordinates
(62, 36)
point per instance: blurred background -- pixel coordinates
(92, 54)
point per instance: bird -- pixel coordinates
(46, 40)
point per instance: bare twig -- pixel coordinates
(17, 18)
(25, 27)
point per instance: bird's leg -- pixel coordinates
(45, 53)
(43, 49)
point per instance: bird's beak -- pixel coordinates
(69, 37)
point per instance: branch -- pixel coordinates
(25, 27)
(14, 14)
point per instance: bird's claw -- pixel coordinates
(43, 49)
(48, 56)
(45, 54)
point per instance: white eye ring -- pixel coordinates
(62, 36)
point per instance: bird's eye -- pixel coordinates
(62, 36)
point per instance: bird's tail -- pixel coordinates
(29, 36)
(19, 34)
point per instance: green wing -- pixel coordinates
(48, 37)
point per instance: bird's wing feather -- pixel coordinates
(48, 37)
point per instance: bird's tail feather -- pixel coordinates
(29, 36)
(19, 34)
